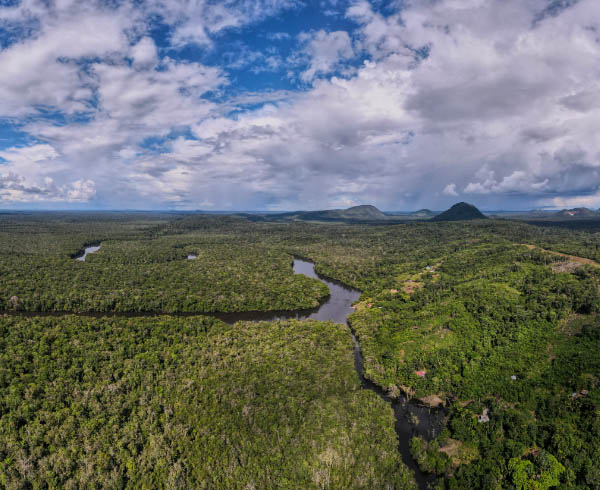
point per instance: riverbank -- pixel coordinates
(410, 418)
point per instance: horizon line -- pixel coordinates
(256, 211)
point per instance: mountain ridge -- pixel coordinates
(367, 213)
(577, 213)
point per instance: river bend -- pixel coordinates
(411, 418)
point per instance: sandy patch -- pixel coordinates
(432, 401)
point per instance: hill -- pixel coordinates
(423, 214)
(577, 213)
(360, 213)
(363, 213)
(460, 212)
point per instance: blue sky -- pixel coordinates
(290, 104)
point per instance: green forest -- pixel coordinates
(113, 374)
(169, 402)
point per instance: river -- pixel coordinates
(88, 250)
(411, 418)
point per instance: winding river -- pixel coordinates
(411, 418)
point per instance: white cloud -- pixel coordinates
(144, 53)
(34, 153)
(43, 70)
(81, 191)
(14, 189)
(517, 182)
(30, 162)
(325, 51)
(156, 99)
(486, 97)
(450, 190)
(25, 177)
(588, 201)
(133, 104)
(278, 36)
(196, 20)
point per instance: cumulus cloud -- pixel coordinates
(35, 153)
(326, 51)
(25, 177)
(278, 36)
(496, 99)
(195, 21)
(43, 70)
(591, 200)
(450, 190)
(80, 191)
(518, 181)
(144, 53)
(14, 189)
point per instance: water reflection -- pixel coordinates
(337, 307)
(87, 251)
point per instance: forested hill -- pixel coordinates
(360, 212)
(363, 213)
(423, 213)
(577, 213)
(459, 212)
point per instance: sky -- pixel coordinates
(299, 104)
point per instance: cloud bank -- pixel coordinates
(128, 104)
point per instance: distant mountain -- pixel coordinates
(460, 212)
(577, 213)
(355, 213)
(364, 213)
(523, 215)
(423, 213)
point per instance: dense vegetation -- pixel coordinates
(188, 403)
(139, 269)
(495, 318)
(486, 322)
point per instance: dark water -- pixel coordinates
(411, 418)
(336, 308)
(87, 251)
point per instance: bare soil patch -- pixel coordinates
(566, 266)
(432, 401)
(451, 448)
(572, 258)
(410, 286)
